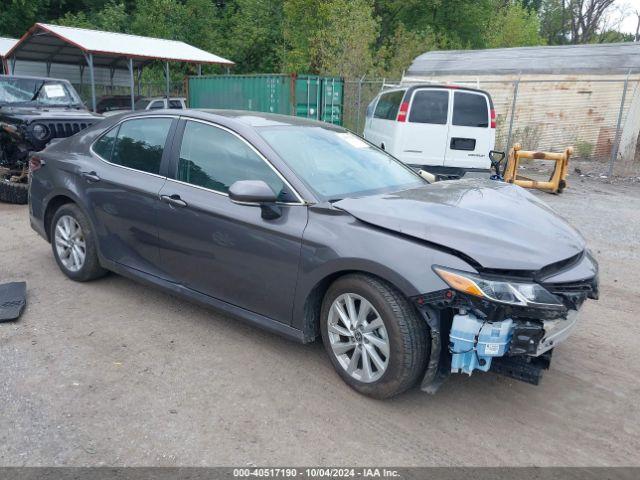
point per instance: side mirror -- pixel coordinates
(256, 192)
(251, 191)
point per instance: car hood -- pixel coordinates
(499, 225)
(28, 114)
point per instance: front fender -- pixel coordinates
(335, 244)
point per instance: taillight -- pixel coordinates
(493, 118)
(35, 163)
(402, 113)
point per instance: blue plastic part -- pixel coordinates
(474, 342)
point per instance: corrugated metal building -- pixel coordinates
(111, 58)
(552, 97)
(58, 70)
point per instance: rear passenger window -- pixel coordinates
(104, 145)
(430, 106)
(213, 158)
(388, 105)
(140, 143)
(470, 110)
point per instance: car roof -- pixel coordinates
(415, 86)
(239, 118)
(264, 119)
(151, 99)
(29, 77)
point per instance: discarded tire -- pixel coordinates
(11, 192)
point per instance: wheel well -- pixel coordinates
(54, 204)
(313, 304)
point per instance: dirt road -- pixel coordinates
(115, 373)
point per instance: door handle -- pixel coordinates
(173, 200)
(90, 177)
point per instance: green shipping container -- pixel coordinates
(309, 96)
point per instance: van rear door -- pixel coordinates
(472, 132)
(422, 138)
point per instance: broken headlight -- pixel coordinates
(510, 292)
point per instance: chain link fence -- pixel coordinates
(598, 117)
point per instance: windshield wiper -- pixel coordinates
(35, 95)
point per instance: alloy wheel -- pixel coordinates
(70, 243)
(358, 337)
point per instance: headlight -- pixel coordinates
(506, 292)
(41, 132)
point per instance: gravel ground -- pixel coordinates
(115, 373)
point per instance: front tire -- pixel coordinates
(374, 337)
(74, 245)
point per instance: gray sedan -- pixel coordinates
(305, 229)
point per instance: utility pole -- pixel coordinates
(637, 37)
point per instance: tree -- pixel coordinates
(337, 39)
(18, 15)
(112, 18)
(586, 18)
(255, 35)
(515, 26)
(398, 51)
(553, 21)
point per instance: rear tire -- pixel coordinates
(74, 245)
(13, 192)
(404, 332)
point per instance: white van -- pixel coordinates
(446, 129)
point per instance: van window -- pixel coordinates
(430, 106)
(470, 110)
(370, 108)
(388, 105)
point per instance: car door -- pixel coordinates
(470, 133)
(220, 248)
(122, 189)
(422, 138)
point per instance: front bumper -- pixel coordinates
(556, 332)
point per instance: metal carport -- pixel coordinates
(6, 44)
(115, 51)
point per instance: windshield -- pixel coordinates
(33, 91)
(337, 164)
(141, 104)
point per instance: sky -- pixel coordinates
(630, 21)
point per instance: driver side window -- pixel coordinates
(213, 158)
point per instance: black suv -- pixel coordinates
(33, 111)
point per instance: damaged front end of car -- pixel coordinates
(504, 322)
